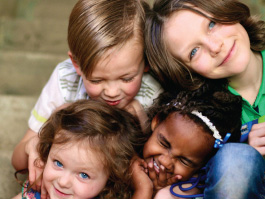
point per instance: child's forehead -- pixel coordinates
(133, 42)
(194, 9)
(84, 147)
(127, 55)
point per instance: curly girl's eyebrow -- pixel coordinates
(161, 138)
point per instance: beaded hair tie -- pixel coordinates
(219, 142)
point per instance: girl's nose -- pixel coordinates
(167, 162)
(65, 180)
(112, 89)
(214, 45)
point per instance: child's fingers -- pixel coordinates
(173, 179)
(151, 171)
(162, 177)
(44, 193)
(256, 137)
(153, 175)
(35, 176)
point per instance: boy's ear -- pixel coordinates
(77, 67)
(154, 123)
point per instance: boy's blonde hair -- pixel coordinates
(172, 73)
(95, 26)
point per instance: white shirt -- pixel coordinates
(65, 85)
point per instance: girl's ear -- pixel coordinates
(154, 123)
(77, 67)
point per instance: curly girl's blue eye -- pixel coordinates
(84, 175)
(58, 164)
(193, 52)
(211, 24)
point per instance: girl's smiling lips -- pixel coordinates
(229, 54)
(61, 194)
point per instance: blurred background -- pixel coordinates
(32, 41)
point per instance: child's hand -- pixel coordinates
(256, 137)
(35, 166)
(143, 186)
(162, 178)
(44, 193)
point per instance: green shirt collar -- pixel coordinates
(261, 89)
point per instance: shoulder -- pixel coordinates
(150, 83)
(150, 90)
(70, 83)
(66, 68)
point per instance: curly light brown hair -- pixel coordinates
(113, 133)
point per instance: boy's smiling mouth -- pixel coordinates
(113, 103)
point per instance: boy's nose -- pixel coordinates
(112, 90)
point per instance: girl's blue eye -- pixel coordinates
(84, 175)
(211, 24)
(193, 52)
(58, 164)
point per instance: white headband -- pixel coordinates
(216, 133)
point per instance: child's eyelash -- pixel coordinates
(211, 24)
(193, 52)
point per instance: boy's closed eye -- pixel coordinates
(95, 81)
(129, 79)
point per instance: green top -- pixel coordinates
(248, 111)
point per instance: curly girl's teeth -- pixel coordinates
(156, 165)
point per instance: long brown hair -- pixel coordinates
(172, 73)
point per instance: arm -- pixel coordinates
(256, 137)
(20, 154)
(24, 156)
